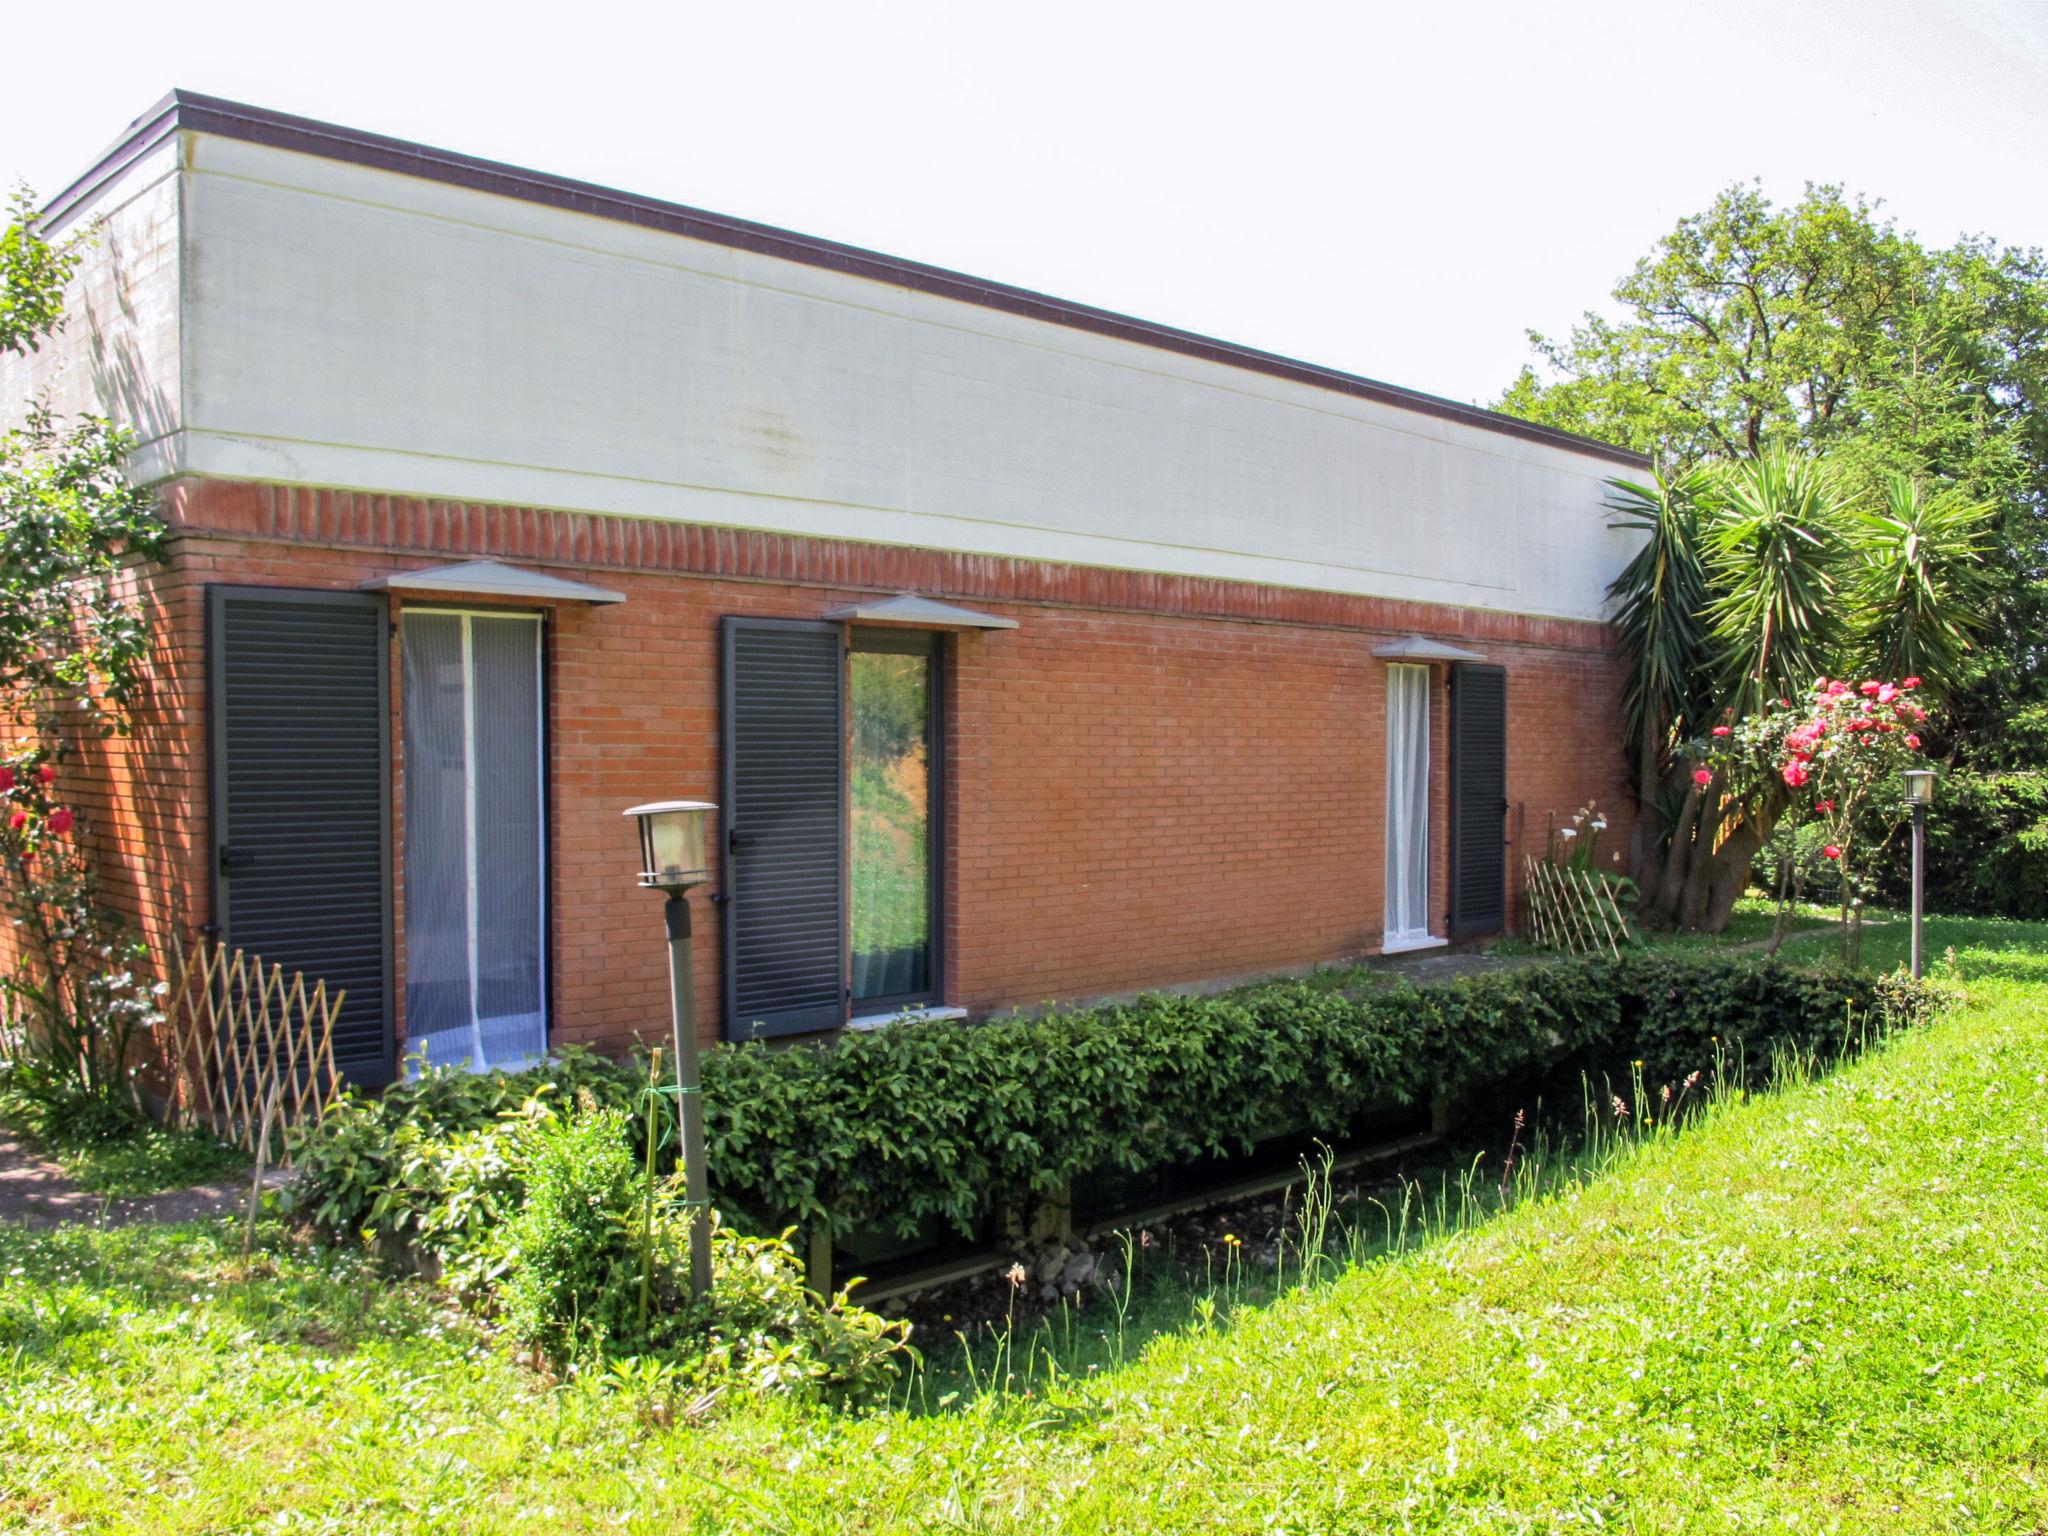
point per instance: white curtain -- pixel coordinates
(1407, 915)
(474, 883)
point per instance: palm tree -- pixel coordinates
(1754, 578)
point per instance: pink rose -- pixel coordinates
(58, 821)
(1795, 773)
(1870, 687)
(1720, 730)
(18, 820)
(1911, 682)
(1831, 851)
(1836, 689)
(1912, 741)
(1701, 776)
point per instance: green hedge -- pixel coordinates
(942, 1119)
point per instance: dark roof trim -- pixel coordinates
(256, 125)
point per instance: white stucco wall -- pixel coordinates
(349, 327)
(118, 352)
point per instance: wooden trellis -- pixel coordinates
(1571, 909)
(247, 1046)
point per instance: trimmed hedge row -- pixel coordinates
(941, 1118)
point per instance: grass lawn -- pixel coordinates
(1821, 1309)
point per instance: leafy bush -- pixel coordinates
(567, 1248)
(1987, 848)
(546, 1217)
(940, 1119)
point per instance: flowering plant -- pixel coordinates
(79, 983)
(1827, 756)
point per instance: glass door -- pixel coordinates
(475, 844)
(1407, 901)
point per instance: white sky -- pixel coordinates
(1395, 189)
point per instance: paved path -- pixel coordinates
(34, 1190)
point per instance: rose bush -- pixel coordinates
(1838, 753)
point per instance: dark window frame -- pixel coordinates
(219, 925)
(739, 1028)
(930, 644)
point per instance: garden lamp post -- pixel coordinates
(1919, 795)
(672, 860)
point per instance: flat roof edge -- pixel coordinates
(189, 110)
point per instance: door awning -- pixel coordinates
(1416, 648)
(919, 612)
(490, 578)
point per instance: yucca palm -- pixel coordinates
(1776, 549)
(1661, 599)
(1919, 587)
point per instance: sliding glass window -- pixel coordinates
(475, 840)
(893, 774)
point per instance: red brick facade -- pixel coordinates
(1152, 780)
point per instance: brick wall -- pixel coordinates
(1152, 780)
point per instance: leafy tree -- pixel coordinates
(32, 277)
(1844, 423)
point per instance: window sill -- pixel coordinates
(910, 1015)
(1409, 946)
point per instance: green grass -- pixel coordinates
(150, 1161)
(113, 1150)
(1821, 1309)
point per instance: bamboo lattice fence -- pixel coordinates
(1572, 909)
(247, 1047)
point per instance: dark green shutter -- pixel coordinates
(784, 808)
(299, 699)
(1479, 800)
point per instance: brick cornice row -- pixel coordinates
(408, 526)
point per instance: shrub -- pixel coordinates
(567, 1249)
(940, 1119)
(1987, 848)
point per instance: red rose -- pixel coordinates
(1870, 687)
(1912, 741)
(1701, 776)
(1911, 682)
(1824, 806)
(1795, 773)
(1831, 851)
(6, 778)
(58, 821)
(1836, 689)
(1720, 730)
(47, 774)
(18, 820)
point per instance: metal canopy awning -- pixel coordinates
(1416, 648)
(490, 578)
(922, 612)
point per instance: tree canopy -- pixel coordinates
(1822, 327)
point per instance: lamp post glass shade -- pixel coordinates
(1919, 786)
(672, 843)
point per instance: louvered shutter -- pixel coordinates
(785, 777)
(299, 701)
(1479, 799)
